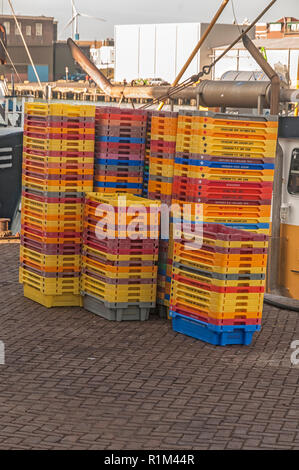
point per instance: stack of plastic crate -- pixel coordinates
(119, 150)
(162, 153)
(120, 254)
(147, 154)
(58, 158)
(161, 161)
(226, 162)
(218, 284)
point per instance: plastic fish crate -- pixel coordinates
(243, 314)
(118, 293)
(61, 122)
(51, 248)
(49, 285)
(50, 197)
(199, 330)
(148, 268)
(235, 321)
(116, 170)
(59, 144)
(221, 259)
(126, 132)
(91, 255)
(202, 165)
(59, 263)
(122, 247)
(43, 168)
(105, 112)
(58, 154)
(53, 273)
(214, 303)
(160, 170)
(49, 301)
(162, 146)
(197, 173)
(65, 110)
(117, 257)
(126, 179)
(254, 159)
(214, 285)
(122, 313)
(57, 186)
(242, 275)
(79, 133)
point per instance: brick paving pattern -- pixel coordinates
(75, 381)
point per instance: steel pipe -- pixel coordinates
(209, 93)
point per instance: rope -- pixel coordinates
(207, 68)
(10, 60)
(26, 47)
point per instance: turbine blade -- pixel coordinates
(69, 22)
(90, 16)
(74, 6)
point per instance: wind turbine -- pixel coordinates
(74, 21)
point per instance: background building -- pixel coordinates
(63, 58)
(285, 27)
(102, 54)
(160, 50)
(40, 33)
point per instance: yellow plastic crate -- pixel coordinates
(59, 144)
(50, 286)
(104, 292)
(63, 262)
(164, 137)
(132, 274)
(69, 160)
(59, 109)
(117, 257)
(51, 208)
(49, 301)
(59, 130)
(188, 260)
(52, 225)
(116, 200)
(194, 276)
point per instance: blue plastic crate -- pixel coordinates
(122, 140)
(225, 165)
(236, 225)
(120, 163)
(199, 330)
(102, 184)
(248, 226)
(162, 271)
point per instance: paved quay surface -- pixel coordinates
(75, 381)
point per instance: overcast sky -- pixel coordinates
(146, 11)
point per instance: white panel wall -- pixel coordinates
(147, 59)
(154, 51)
(294, 56)
(166, 51)
(126, 52)
(187, 38)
